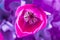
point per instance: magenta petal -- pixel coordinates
(1, 36)
(34, 20)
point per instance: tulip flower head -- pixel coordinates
(30, 19)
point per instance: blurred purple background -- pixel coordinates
(7, 19)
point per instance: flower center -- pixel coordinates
(30, 18)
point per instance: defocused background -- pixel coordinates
(7, 19)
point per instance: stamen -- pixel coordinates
(30, 18)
